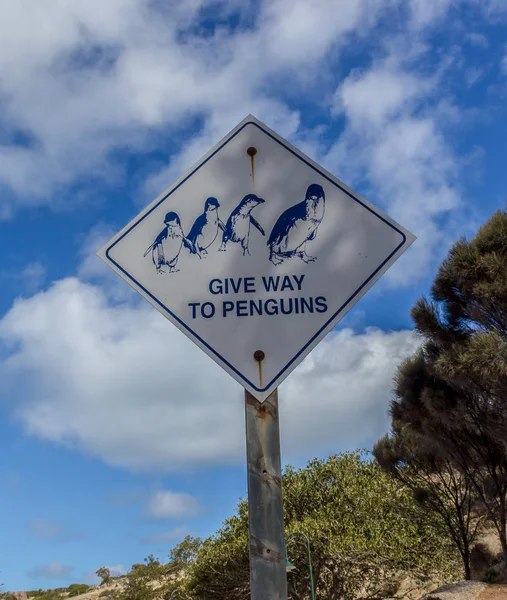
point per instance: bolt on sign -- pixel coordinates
(256, 248)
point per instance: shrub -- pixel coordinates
(104, 573)
(76, 589)
(491, 575)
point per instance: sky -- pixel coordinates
(112, 447)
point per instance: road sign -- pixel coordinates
(256, 248)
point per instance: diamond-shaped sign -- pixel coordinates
(256, 248)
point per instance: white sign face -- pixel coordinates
(256, 251)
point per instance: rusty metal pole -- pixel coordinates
(268, 578)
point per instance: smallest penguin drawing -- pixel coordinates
(237, 228)
(205, 228)
(296, 226)
(166, 248)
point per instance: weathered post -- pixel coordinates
(268, 578)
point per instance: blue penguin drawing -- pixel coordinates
(166, 248)
(296, 226)
(204, 231)
(237, 228)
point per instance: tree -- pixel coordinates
(76, 589)
(221, 569)
(103, 573)
(454, 393)
(435, 484)
(144, 581)
(364, 537)
(150, 560)
(184, 553)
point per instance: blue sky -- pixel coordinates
(102, 106)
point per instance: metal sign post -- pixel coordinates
(257, 246)
(268, 578)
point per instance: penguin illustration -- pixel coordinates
(237, 228)
(166, 248)
(296, 226)
(205, 228)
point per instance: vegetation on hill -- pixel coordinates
(449, 416)
(367, 536)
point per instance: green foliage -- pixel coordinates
(143, 581)
(177, 589)
(453, 393)
(221, 568)
(366, 531)
(103, 573)
(184, 553)
(436, 485)
(40, 594)
(363, 531)
(150, 560)
(49, 594)
(76, 589)
(491, 575)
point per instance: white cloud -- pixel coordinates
(89, 267)
(393, 89)
(473, 75)
(478, 39)
(32, 276)
(165, 504)
(503, 63)
(339, 395)
(400, 150)
(494, 8)
(124, 377)
(165, 537)
(80, 79)
(426, 12)
(116, 570)
(120, 383)
(48, 529)
(52, 570)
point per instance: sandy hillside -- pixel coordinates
(468, 590)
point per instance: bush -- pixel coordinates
(141, 581)
(366, 535)
(49, 595)
(481, 559)
(76, 589)
(104, 573)
(491, 575)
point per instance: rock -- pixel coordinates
(485, 554)
(464, 590)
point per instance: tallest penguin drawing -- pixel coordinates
(296, 226)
